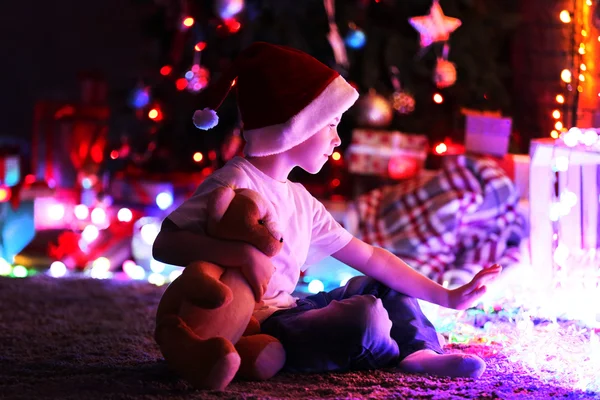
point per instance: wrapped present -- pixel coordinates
(387, 154)
(68, 141)
(487, 132)
(389, 139)
(10, 169)
(564, 210)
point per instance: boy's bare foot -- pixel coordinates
(458, 365)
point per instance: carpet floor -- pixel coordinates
(79, 338)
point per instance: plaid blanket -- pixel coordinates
(450, 225)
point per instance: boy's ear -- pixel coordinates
(218, 202)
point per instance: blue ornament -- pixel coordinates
(140, 97)
(355, 38)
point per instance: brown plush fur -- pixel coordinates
(198, 318)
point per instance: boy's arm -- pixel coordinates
(180, 247)
(390, 270)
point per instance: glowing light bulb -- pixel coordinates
(181, 83)
(590, 137)
(100, 268)
(556, 114)
(166, 70)
(198, 156)
(155, 114)
(441, 148)
(560, 99)
(20, 271)
(149, 232)
(164, 200)
(565, 75)
(571, 137)
(156, 279)
(133, 270)
(437, 98)
(565, 16)
(554, 134)
(316, 286)
(188, 22)
(90, 233)
(558, 125)
(568, 198)
(98, 216)
(57, 269)
(336, 156)
(124, 215)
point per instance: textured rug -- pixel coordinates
(91, 339)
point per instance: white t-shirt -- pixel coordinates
(310, 232)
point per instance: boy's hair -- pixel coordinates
(284, 97)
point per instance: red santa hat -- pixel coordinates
(284, 96)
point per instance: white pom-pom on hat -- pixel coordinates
(205, 119)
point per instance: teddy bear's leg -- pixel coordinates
(206, 364)
(201, 285)
(229, 320)
(253, 327)
(262, 357)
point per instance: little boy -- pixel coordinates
(290, 105)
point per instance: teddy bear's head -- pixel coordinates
(244, 215)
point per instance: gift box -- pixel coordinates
(68, 140)
(10, 170)
(487, 132)
(564, 209)
(387, 154)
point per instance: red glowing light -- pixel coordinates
(181, 83)
(166, 70)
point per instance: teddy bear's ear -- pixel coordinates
(218, 203)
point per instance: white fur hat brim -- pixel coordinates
(333, 101)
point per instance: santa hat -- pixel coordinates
(284, 96)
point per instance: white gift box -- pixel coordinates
(555, 218)
(487, 133)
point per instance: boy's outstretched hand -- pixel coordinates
(462, 297)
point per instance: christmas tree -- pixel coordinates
(416, 63)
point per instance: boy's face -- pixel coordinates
(313, 153)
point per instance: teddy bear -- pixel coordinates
(199, 297)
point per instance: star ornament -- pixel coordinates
(435, 27)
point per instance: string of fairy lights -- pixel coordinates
(578, 78)
(579, 103)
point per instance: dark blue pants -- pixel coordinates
(363, 325)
